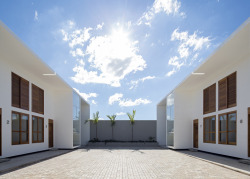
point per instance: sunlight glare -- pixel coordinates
(121, 43)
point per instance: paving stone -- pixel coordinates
(124, 163)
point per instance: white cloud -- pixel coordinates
(118, 97)
(86, 96)
(170, 73)
(129, 102)
(188, 45)
(167, 6)
(93, 101)
(129, 24)
(189, 41)
(77, 52)
(100, 26)
(36, 16)
(115, 97)
(134, 83)
(75, 36)
(175, 61)
(79, 36)
(120, 113)
(106, 59)
(112, 57)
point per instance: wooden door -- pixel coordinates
(248, 132)
(195, 133)
(51, 136)
(0, 132)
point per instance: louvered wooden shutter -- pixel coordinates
(41, 101)
(24, 94)
(35, 98)
(231, 93)
(223, 94)
(212, 98)
(206, 100)
(15, 90)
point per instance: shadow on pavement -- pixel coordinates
(18, 162)
(223, 161)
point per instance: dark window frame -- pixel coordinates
(37, 132)
(227, 131)
(210, 130)
(20, 128)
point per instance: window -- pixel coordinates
(20, 128)
(209, 125)
(20, 92)
(37, 99)
(227, 92)
(209, 99)
(37, 129)
(227, 128)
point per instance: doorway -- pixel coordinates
(0, 132)
(195, 133)
(51, 132)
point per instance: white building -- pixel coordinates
(210, 109)
(38, 110)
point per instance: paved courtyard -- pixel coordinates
(124, 163)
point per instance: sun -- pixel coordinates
(121, 43)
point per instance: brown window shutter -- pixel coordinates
(35, 98)
(206, 100)
(212, 98)
(222, 94)
(24, 94)
(41, 101)
(15, 90)
(231, 93)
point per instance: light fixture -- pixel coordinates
(193, 73)
(50, 74)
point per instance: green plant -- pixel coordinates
(112, 120)
(95, 121)
(132, 121)
(152, 139)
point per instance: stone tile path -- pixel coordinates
(124, 163)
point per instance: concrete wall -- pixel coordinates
(143, 129)
(233, 56)
(58, 98)
(85, 126)
(189, 106)
(161, 125)
(63, 121)
(5, 103)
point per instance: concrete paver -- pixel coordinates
(124, 163)
(24, 160)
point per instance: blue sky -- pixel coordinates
(124, 55)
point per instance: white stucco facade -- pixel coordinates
(232, 56)
(58, 98)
